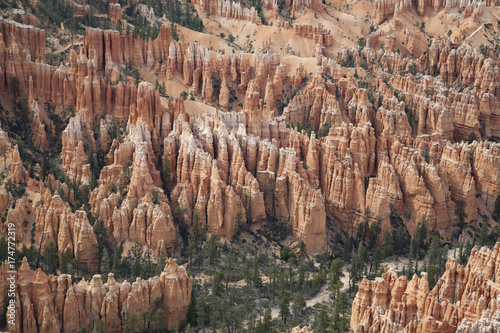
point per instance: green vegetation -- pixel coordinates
(258, 282)
(179, 12)
(496, 210)
(472, 137)
(258, 7)
(54, 12)
(460, 213)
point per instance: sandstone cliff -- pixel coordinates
(56, 304)
(461, 297)
(339, 146)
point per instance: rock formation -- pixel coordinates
(385, 8)
(308, 139)
(318, 34)
(22, 39)
(115, 13)
(230, 10)
(56, 304)
(463, 299)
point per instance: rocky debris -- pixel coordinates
(56, 304)
(461, 297)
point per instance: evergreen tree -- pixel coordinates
(265, 325)
(197, 235)
(460, 213)
(15, 87)
(212, 250)
(301, 271)
(472, 137)
(116, 267)
(24, 110)
(464, 253)
(131, 323)
(284, 309)
(202, 311)
(298, 305)
(101, 234)
(322, 320)
(496, 210)
(339, 322)
(50, 258)
(166, 174)
(484, 235)
(377, 259)
(162, 90)
(66, 258)
(363, 257)
(400, 240)
(389, 243)
(217, 286)
(335, 276)
(353, 273)
(374, 232)
(436, 260)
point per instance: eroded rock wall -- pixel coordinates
(57, 304)
(461, 297)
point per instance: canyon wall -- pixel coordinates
(385, 8)
(395, 152)
(464, 298)
(57, 304)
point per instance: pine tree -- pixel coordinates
(50, 258)
(460, 213)
(323, 320)
(212, 249)
(15, 87)
(362, 259)
(116, 268)
(65, 261)
(101, 234)
(377, 259)
(217, 283)
(162, 89)
(335, 276)
(483, 237)
(284, 309)
(436, 260)
(496, 210)
(389, 243)
(298, 305)
(410, 266)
